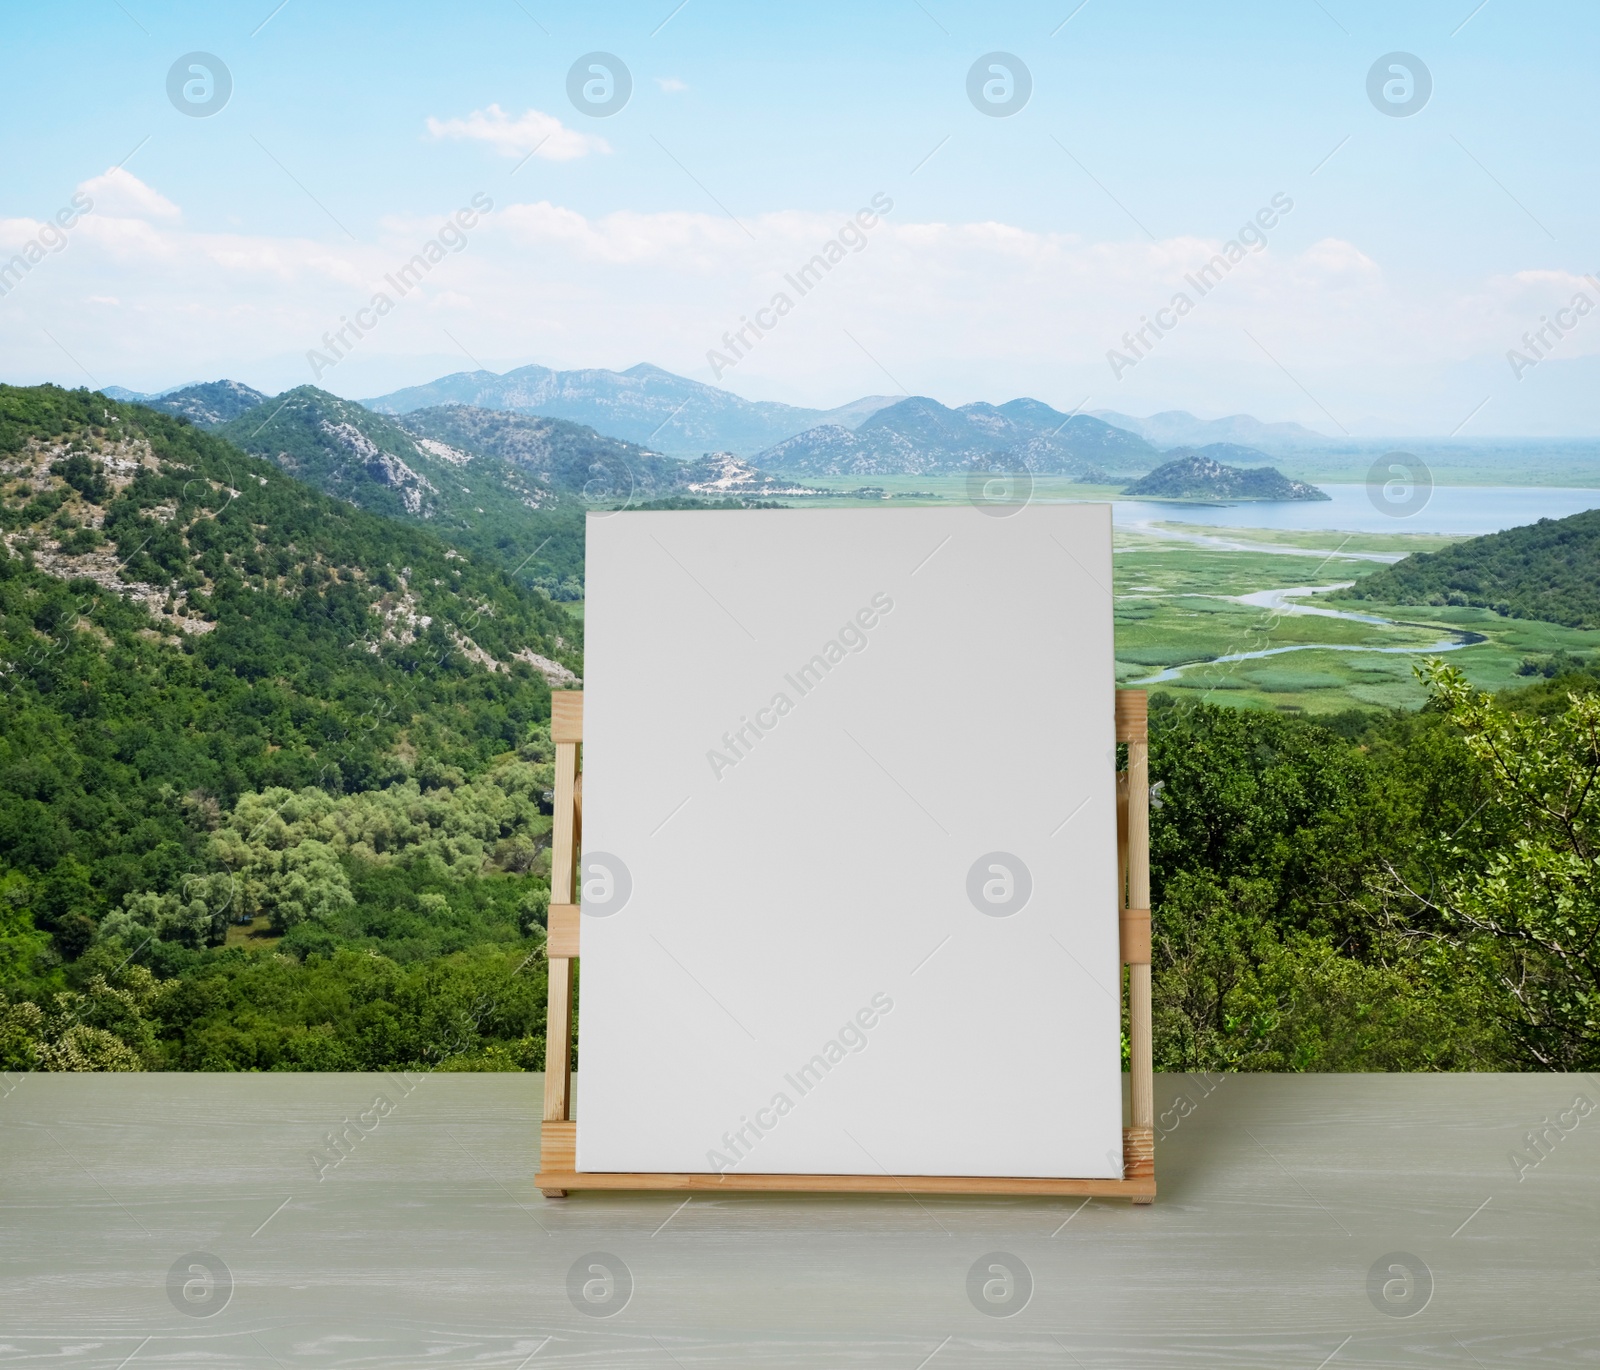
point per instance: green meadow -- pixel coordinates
(1179, 613)
(1179, 609)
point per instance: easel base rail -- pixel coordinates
(556, 1184)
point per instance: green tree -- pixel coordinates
(1529, 916)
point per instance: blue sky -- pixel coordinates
(1015, 258)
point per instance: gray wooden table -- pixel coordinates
(1304, 1221)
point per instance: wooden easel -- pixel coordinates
(558, 1137)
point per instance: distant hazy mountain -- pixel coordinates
(1175, 428)
(920, 435)
(643, 404)
(1203, 474)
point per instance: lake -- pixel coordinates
(1461, 509)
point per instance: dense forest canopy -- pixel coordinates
(226, 695)
(1547, 570)
(274, 778)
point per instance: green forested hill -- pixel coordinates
(224, 695)
(512, 487)
(473, 499)
(1548, 570)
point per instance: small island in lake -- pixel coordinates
(1203, 474)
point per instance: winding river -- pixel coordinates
(1282, 602)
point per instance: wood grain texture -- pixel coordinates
(735, 1183)
(1133, 710)
(1134, 932)
(1122, 839)
(1140, 1043)
(1138, 1153)
(558, 1043)
(566, 716)
(564, 923)
(563, 830)
(558, 1146)
(427, 1245)
(563, 870)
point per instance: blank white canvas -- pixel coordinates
(795, 955)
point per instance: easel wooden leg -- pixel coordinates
(1138, 1139)
(557, 1136)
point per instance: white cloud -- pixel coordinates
(121, 194)
(671, 85)
(535, 132)
(958, 310)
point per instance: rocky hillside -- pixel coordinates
(153, 513)
(567, 461)
(1204, 474)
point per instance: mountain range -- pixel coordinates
(654, 410)
(514, 486)
(643, 404)
(1178, 428)
(919, 435)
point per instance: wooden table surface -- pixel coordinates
(427, 1244)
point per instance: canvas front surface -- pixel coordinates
(849, 856)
